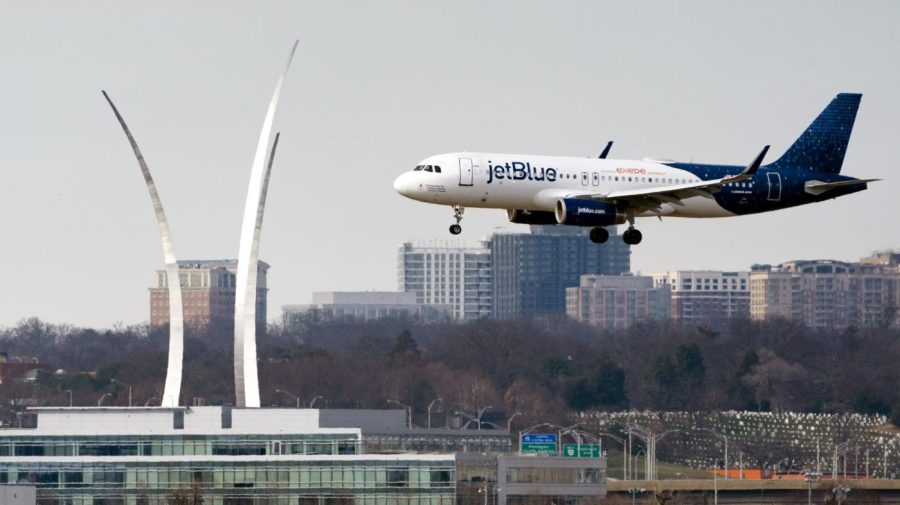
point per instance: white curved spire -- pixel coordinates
(246, 380)
(172, 390)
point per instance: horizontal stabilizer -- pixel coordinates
(819, 187)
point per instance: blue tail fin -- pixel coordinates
(822, 146)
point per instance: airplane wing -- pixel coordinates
(650, 198)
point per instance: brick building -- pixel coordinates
(207, 294)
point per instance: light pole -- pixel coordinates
(724, 437)
(127, 385)
(477, 418)
(430, 405)
(70, 396)
(809, 480)
(313, 401)
(408, 410)
(624, 452)
(102, 397)
(292, 395)
(839, 451)
(634, 491)
(650, 439)
(509, 421)
(565, 431)
(481, 413)
(840, 492)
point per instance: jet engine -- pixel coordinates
(583, 212)
(530, 216)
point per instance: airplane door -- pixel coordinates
(595, 179)
(466, 176)
(584, 178)
(774, 186)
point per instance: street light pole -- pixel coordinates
(481, 413)
(129, 389)
(70, 396)
(509, 421)
(408, 410)
(313, 401)
(102, 397)
(624, 452)
(724, 437)
(292, 395)
(430, 405)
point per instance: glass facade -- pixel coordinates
(221, 469)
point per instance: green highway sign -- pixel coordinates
(539, 448)
(581, 451)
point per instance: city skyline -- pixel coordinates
(361, 108)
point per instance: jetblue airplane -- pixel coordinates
(600, 192)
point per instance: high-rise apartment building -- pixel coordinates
(617, 302)
(532, 271)
(706, 296)
(207, 294)
(448, 275)
(829, 294)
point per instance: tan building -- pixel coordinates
(706, 296)
(829, 294)
(207, 292)
(616, 302)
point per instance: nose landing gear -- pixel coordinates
(456, 229)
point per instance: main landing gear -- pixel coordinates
(458, 210)
(599, 235)
(631, 236)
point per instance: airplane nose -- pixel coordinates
(402, 185)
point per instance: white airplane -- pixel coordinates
(600, 192)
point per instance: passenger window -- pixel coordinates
(437, 169)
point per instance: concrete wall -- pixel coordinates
(18, 495)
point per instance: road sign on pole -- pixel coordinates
(539, 443)
(581, 451)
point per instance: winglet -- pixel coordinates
(606, 150)
(754, 166)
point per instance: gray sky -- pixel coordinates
(377, 86)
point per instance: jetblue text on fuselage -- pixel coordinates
(519, 171)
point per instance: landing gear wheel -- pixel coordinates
(458, 210)
(632, 236)
(599, 235)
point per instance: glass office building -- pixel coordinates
(153, 455)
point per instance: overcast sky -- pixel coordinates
(376, 87)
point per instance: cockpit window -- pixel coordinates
(437, 169)
(428, 168)
(419, 167)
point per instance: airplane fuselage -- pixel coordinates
(536, 183)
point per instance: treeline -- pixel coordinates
(548, 369)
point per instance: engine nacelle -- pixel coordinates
(530, 216)
(583, 212)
